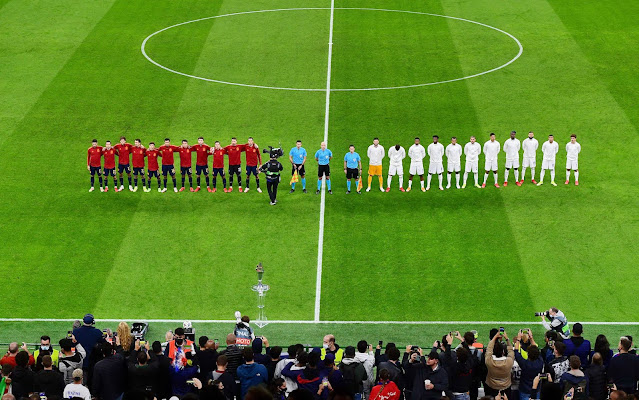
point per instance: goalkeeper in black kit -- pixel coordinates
(272, 169)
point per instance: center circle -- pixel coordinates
(427, 53)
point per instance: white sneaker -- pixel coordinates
(102, 189)
(381, 190)
(246, 190)
(159, 190)
(121, 188)
(458, 187)
(175, 189)
(447, 186)
(131, 188)
(441, 188)
(463, 186)
(135, 189)
(92, 189)
(368, 189)
(163, 190)
(238, 315)
(259, 190)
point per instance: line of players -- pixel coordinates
(352, 162)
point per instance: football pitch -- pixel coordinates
(345, 71)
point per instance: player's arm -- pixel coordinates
(88, 159)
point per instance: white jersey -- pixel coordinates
(491, 150)
(436, 152)
(572, 151)
(511, 148)
(530, 147)
(453, 153)
(550, 150)
(472, 151)
(416, 153)
(76, 390)
(375, 154)
(396, 156)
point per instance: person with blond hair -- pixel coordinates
(127, 341)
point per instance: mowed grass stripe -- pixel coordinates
(415, 251)
(567, 233)
(104, 90)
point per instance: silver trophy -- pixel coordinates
(261, 290)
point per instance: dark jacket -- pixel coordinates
(227, 380)
(396, 373)
(234, 355)
(50, 382)
(88, 337)
(379, 357)
(460, 374)
(623, 371)
(438, 378)
(162, 385)
(569, 381)
(307, 378)
(597, 381)
(260, 358)
(109, 378)
(141, 377)
(578, 346)
(207, 361)
(606, 357)
(22, 380)
(251, 375)
(557, 367)
(354, 375)
(529, 370)
(179, 378)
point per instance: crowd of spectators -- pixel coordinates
(92, 364)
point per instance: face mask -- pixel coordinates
(325, 346)
(179, 342)
(44, 348)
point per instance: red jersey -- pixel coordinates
(123, 153)
(234, 153)
(109, 157)
(185, 156)
(253, 156)
(166, 152)
(137, 157)
(152, 156)
(218, 158)
(203, 152)
(94, 156)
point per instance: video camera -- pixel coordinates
(543, 313)
(274, 152)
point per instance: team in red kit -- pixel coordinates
(101, 162)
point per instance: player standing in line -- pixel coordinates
(416, 153)
(491, 151)
(109, 165)
(396, 154)
(352, 168)
(152, 155)
(234, 151)
(436, 165)
(202, 151)
(375, 154)
(137, 159)
(511, 148)
(572, 158)
(124, 150)
(453, 155)
(472, 150)
(218, 165)
(297, 157)
(168, 167)
(530, 146)
(94, 163)
(253, 159)
(323, 156)
(549, 149)
(186, 162)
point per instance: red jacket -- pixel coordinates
(11, 360)
(385, 391)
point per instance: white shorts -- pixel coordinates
(491, 165)
(395, 170)
(529, 162)
(572, 164)
(454, 166)
(416, 169)
(512, 163)
(472, 166)
(435, 168)
(548, 164)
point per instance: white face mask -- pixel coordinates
(44, 348)
(325, 346)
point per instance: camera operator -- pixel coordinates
(272, 169)
(556, 321)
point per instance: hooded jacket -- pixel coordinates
(368, 361)
(251, 375)
(67, 364)
(575, 379)
(578, 346)
(354, 375)
(396, 373)
(597, 382)
(498, 376)
(438, 378)
(461, 375)
(260, 358)
(307, 378)
(50, 382)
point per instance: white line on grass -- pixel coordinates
(223, 321)
(320, 240)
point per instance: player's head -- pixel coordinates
(397, 146)
(551, 138)
(453, 140)
(185, 143)
(138, 142)
(122, 139)
(108, 143)
(492, 137)
(298, 144)
(513, 134)
(375, 141)
(351, 148)
(416, 140)
(573, 138)
(217, 144)
(473, 139)
(167, 141)
(250, 141)
(233, 141)
(435, 139)
(323, 145)
(531, 134)
(200, 140)
(94, 143)
(151, 145)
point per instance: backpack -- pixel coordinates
(350, 380)
(579, 389)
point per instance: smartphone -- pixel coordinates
(142, 343)
(501, 329)
(69, 334)
(325, 381)
(190, 382)
(568, 395)
(543, 377)
(43, 396)
(380, 343)
(217, 341)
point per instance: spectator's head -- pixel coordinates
(8, 396)
(624, 344)
(560, 349)
(551, 335)
(124, 333)
(618, 395)
(329, 342)
(247, 353)
(179, 336)
(66, 345)
(77, 323)
(597, 359)
(629, 338)
(275, 352)
(258, 393)
(107, 349)
(577, 329)
(222, 361)
(257, 345)
(533, 352)
(329, 360)
(575, 362)
(77, 375)
(393, 354)
(492, 333)
(142, 357)
(45, 343)
(47, 362)
(349, 352)
(384, 375)
(462, 355)
(22, 359)
(469, 338)
(13, 348)
(313, 359)
(433, 359)
(300, 394)
(498, 349)
(291, 351)
(202, 341)
(88, 320)
(7, 369)
(156, 347)
(602, 345)
(230, 339)
(302, 358)
(362, 345)
(245, 319)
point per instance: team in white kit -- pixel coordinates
(472, 150)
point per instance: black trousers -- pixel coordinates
(271, 187)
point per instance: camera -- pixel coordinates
(274, 152)
(139, 330)
(542, 314)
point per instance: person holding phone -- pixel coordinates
(500, 358)
(531, 366)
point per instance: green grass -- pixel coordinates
(73, 71)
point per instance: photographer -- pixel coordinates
(272, 169)
(556, 321)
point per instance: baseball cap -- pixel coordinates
(433, 355)
(88, 319)
(578, 328)
(77, 373)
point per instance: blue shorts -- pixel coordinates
(124, 168)
(185, 170)
(155, 173)
(96, 170)
(110, 171)
(138, 171)
(202, 169)
(235, 169)
(251, 170)
(219, 171)
(168, 169)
